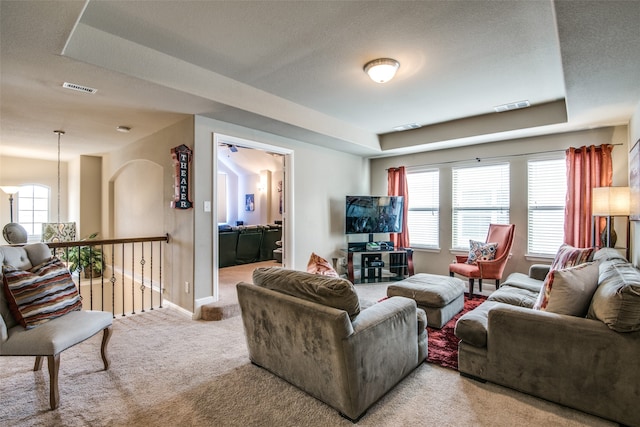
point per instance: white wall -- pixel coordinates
(153, 189)
(518, 151)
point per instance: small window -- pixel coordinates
(423, 219)
(480, 197)
(547, 191)
(33, 209)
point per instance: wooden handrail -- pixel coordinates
(98, 242)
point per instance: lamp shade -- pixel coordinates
(610, 201)
(10, 189)
(381, 70)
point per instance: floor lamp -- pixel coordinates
(13, 232)
(610, 202)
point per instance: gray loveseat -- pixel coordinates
(590, 363)
(310, 331)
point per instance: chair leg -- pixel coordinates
(106, 336)
(497, 284)
(38, 365)
(470, 288)
(480, 284)
(54, 367)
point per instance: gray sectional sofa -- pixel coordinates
(590, 363)
(311, 331)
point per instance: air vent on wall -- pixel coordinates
(511, 106)
(79, 88)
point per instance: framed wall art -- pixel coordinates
(249, 202)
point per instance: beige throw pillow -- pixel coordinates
(571, 289)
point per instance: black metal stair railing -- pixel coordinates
(111, 274)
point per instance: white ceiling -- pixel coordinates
(294, 68)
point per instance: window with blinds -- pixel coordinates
(424, 208)
(480, 197)
(547, 191)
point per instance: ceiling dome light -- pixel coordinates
(381, 70)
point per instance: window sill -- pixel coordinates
(539, 257)
(426, 249)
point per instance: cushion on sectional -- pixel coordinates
(40, 294)
(616, 301)
(514, 295)
(569, 291)
(605, 254)
(333, 292)
(524, 281)
(480, 251)
(471, 327)
(319, 265)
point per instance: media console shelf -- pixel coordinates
(379, 265)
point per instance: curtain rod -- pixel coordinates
(479, 159)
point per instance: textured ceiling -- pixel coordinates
(295, 69)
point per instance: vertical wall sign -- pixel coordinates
(182, 160)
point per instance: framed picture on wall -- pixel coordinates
(249, 202)
(634, 181)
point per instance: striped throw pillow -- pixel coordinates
(43, 293)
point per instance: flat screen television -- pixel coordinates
(373, 214)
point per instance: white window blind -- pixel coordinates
(424, 208)
(480, 197)
(547, 191)
(33, 208)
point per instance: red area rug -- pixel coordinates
(443, 344)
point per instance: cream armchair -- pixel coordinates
(54, 336)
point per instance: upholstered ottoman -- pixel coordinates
(442, 297)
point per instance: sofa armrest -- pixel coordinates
(557, 357)
(539, 271)
(382, 350)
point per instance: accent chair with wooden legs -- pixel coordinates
(44, 337)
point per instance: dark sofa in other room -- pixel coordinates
(247, 244)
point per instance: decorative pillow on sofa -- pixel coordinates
(616, 302)
(319, 265)
(567, 256)
(480, 251)
(43, 293)
(569, 291)
(333, 292)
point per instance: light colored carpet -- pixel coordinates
(168, 370)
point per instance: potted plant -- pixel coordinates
(85, 258)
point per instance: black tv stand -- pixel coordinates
(398, 263)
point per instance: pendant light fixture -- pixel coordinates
(381, 70)
(59, 133)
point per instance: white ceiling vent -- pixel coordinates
(79, 88)
(511, 106)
